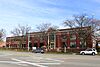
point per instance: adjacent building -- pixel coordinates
(16, 42)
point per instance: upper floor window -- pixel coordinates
(72, 37)
(51, 36)
(64, 36)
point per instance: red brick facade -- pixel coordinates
(55, 40)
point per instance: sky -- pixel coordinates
(35, 12)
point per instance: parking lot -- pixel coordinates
(28, 59)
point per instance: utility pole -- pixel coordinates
(54, 40)
(28, 41)
(48, 41)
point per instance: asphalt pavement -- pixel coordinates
(28, 59)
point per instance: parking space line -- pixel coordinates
(50, 63)
(54, 60)
(34, 64)
(12, 62)
(9, 62)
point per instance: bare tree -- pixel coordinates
(45, 26)
(21, 30)
(2, 34)
(81, 21)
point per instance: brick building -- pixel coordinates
(16, 42)
(98, 41)
(54, 39)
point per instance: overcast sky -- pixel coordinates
(34, 12)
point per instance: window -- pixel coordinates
(64, 37)
(52, 45)
(93, 49)
(72, 44)
(88, 49)
(82, 44)
(51, 36)
(64, 44)
(73, 37)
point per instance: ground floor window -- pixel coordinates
(82, 44)
(23, 45)
(52, 45)
(64, 44)
(72, 44)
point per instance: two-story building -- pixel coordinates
(60, 39)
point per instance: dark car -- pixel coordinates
(38, 50)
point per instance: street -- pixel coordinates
(28, 59)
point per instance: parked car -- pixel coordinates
(38, 50)
(89, 51)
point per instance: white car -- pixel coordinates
(92, 51)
